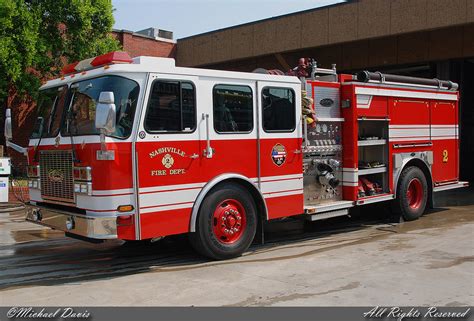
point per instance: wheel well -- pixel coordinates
(424, 168)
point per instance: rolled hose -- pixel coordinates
(366, 76)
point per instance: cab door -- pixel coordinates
(228, 124)
(280, 159)
(168, 158)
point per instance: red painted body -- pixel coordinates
(426, 124)
(165, 176)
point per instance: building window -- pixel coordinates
(233, 109)
(279, 110)
(171, 107)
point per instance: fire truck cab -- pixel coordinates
(137, 149)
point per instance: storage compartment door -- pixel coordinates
(410, 121)
(444, 134)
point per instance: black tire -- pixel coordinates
(205, 241)
(411, 200)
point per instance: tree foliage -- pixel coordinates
(19, 28)
(37, 37)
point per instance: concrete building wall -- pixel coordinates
(415, 47)
(425, 38)
(324, 27)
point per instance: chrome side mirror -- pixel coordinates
(9, 134)
(8, 125)
(105, 113)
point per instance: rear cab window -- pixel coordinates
(278, 109)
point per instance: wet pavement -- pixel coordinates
(369, 258)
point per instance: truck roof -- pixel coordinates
(145, 64)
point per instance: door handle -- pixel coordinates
(208, 152)
(194, 156)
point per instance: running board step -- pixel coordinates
(375, 199)
(328, 207)
(327, 210)
(449, 186)
(323, 216)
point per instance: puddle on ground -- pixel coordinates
(15, 217)
(438, 219)
(35, 235)
(450, 263)
(260, 301)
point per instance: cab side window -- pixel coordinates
(233, 108)
(279, 109)
(171, 107)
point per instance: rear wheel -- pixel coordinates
(412, 192)
(226, 223)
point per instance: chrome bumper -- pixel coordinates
(96, 227)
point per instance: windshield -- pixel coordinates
(50, 106)
(85, 95)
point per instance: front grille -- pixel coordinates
(57, 182)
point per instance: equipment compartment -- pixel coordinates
(373, 157)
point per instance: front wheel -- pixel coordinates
(226, 223)
(412, 193)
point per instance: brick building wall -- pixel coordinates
(23, 120)
(140, 45)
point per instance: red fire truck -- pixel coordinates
(138, 149)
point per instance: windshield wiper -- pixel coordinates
(70, 118)
(48, 128)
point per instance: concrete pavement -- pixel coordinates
(365, 260)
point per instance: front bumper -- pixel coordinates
(96, 227)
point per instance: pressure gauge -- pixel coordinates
(325, 128)
(318, 128)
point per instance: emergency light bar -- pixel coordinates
(114, 57)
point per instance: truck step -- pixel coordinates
(327, 210)
(325, 215)
(327, 207)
